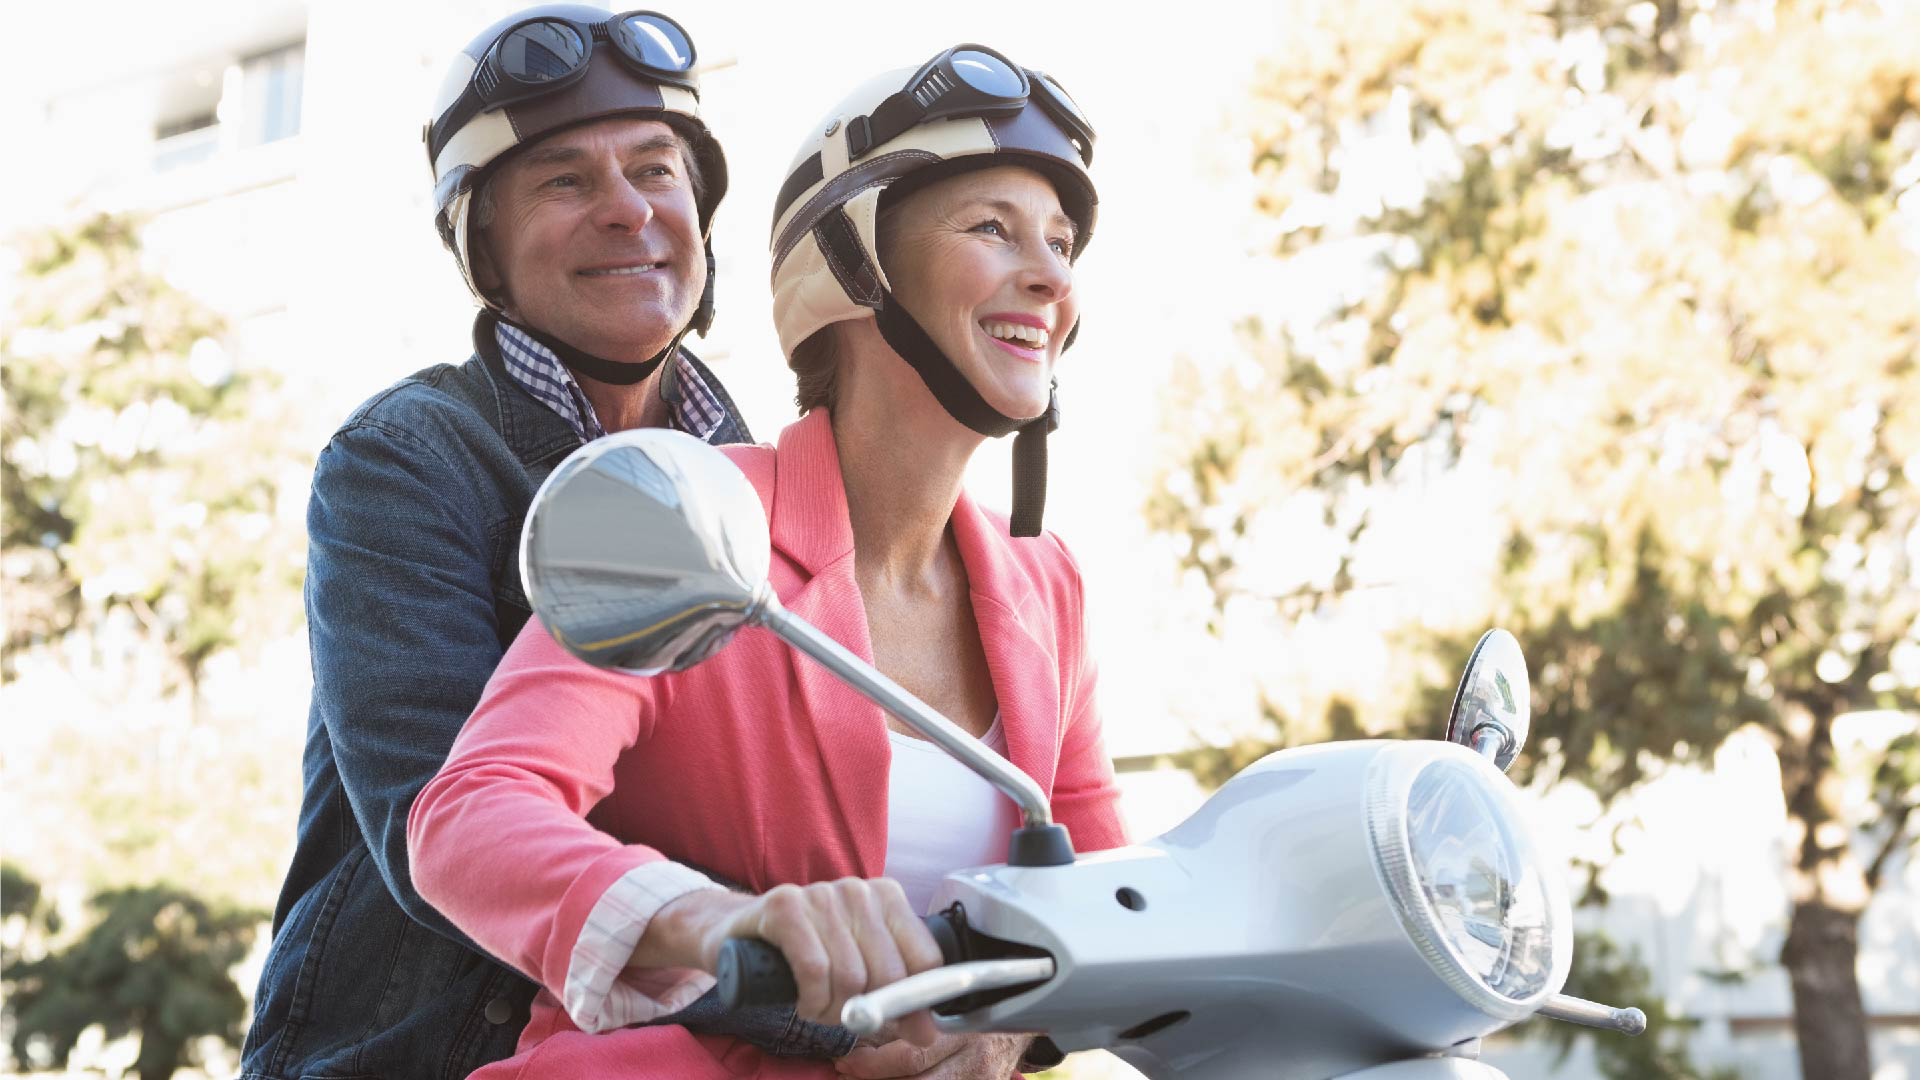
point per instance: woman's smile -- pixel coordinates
(1023, 336)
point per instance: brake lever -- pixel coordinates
(1628, 1021)
(867, 1013)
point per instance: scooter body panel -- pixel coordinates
(1261, 918)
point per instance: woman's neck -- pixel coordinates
(902, 459)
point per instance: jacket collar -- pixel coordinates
(534, 432)
(810, 522)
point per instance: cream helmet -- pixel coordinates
(969, 107)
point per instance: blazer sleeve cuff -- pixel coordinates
(600, 994)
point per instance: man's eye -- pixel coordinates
(563, 180)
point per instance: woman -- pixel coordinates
(923, 252)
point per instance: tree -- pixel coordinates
(156, 964)
(140, 470)
(1639, 280)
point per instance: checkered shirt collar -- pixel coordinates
(539, 371)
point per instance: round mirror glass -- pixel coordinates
(1492, 698)
(644, 551)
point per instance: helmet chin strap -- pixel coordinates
(965, 404)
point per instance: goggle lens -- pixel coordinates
(1068, 112)
(987, 74)
(541, 52)
(660, 43)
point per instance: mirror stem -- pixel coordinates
(1489, 741)
(910, 710)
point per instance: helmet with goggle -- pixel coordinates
(551, 67)
(969, 107)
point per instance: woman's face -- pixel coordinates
(980, 260)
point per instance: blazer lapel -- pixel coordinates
(809, 525)
(1019, 643)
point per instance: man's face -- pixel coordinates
(596, 238)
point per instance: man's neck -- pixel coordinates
(619, 408)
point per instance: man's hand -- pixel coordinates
(951, 1057)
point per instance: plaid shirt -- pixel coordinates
(535, 367)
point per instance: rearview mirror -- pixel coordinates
(1491, 706)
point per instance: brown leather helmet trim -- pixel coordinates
(807, 175)
(841, 188)
(847, 259)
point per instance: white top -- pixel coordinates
(941, 817)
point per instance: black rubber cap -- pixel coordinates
(1040, 845)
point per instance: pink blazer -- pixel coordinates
(757, 765)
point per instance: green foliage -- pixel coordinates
(140, 471)
(19, 894)
(27, 918)
(156, 963)
(1603, 972)
(1652, 290)
(1630, 283)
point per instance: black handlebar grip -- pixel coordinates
(751, 972)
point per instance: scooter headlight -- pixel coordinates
(1469, 885)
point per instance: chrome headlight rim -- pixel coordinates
(1390, 785)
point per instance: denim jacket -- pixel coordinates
(413, 593)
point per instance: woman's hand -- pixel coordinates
(841, 938)
(951, 1057)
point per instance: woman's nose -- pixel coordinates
(1048, 276)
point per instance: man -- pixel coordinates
(575, 184)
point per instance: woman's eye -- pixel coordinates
(564, 180)
(991, 227)
(1062, 247)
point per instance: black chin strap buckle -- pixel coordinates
(1053, 414)
(704, 314)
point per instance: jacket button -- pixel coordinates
(499, 1011)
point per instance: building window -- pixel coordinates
(270, 94)
(185, 141)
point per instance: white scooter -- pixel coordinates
(1361, 910)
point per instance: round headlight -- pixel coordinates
(1471, 889)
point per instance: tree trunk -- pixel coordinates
(160, 1055)
(1829, 1021)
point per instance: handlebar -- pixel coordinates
(753, 972)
